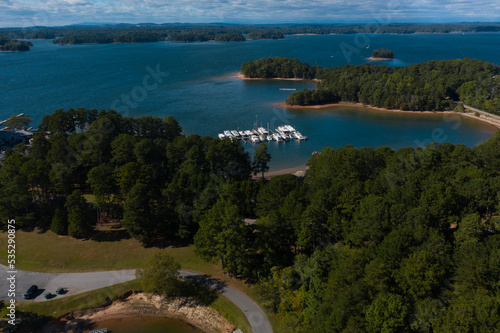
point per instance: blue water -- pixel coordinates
(201, 94)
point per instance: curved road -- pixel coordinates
(76, 283)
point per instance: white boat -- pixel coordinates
(262, 137)
(269, 138)
(290, 128)
(248, 133)
(221, 136)
(254, 139)
(227, 133)
(235, 133)
(262, 130)
(283, 129)
(299, 136)
(242, 133)
(277, 137)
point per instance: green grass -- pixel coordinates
(232, 313)
(58, 307)
(48, 252)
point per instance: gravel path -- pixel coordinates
(76, 283)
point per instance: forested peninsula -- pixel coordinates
(13, 45)
(370, 240)
(177, 32)
(429, 86)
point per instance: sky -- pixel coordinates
(26, 13)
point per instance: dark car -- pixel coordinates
(31, 291)
(47, 295)
(60, 291)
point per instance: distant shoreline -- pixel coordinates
(239, 75)
(494, 123)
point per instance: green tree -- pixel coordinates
(261, 160)
(469, 229)
(59, 223)
(160, 275)
(81, 218)
(223, 235)
(102, 181)
(387, 313)
(420, 274)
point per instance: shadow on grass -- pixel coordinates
(202, 287)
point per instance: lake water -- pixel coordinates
(147, 325)
(197, 87)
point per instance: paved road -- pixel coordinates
(76, 283)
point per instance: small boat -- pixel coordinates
(299, 136)
(221, 136)
(290, 128)
(235, 133)
(269, 138)
(262, 137)
(242, 133)
(262, 130)
(255, 132)
(227, 133)
(277, 137)
(254, 139)
(248, 133)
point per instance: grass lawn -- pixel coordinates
(48, 252)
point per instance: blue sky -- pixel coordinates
(61, 12)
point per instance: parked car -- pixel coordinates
(60, 291)
(30, 292)
(47, 295)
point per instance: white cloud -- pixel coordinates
(59, 12)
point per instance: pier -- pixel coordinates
(284, 133)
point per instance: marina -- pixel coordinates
(283, 133)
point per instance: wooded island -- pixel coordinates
(428, 86)
(13, 45)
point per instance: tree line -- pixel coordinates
(369, 240)
(429, 86)
(271, 31)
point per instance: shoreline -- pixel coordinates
(142, 305)
(491, 122)
(379, 59)
(239, 75)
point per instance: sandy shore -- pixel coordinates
(239, 75)
(491, 121)
(379, 59)
(137, 305)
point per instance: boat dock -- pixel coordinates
(284, 133)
